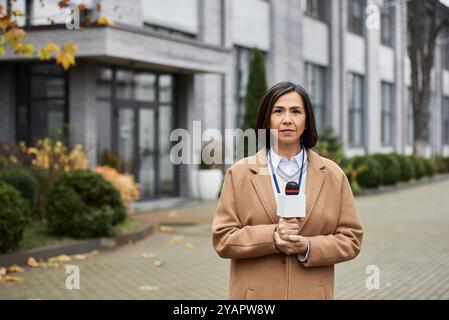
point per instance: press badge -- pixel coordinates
(291, 206)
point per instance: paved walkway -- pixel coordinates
(406, 239)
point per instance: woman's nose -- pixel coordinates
(287, 117)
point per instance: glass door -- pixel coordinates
(147, 152)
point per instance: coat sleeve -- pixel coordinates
(346, 241)
(233, 240)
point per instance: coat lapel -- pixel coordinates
(264, 189)
(315, 180)
(262, 183)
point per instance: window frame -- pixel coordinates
(352, 78)
(356, 25)
(387, 113)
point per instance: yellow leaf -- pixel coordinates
(46, 53)
(13, 279)
(70, 47)
(15, 268)
(158, 263)
(2, 51)
(165, 229)
(103, 21)
(5, 22)
(189, 246)
(149, 288)
(59, 259)
(66, 60)
(147, 255)
(17, 13)
(25, 49)
(80, 256)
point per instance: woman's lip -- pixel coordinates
(288, 130)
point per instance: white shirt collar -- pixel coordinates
(276, 159)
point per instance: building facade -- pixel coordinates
(168, 63)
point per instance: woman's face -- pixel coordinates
(289, 118)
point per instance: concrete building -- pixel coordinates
(167, 63)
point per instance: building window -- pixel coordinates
(387, 23)
(317, 9)
(446, 54)
(356, 114)
(316, 87)
(242, 61)
(387, 114)
(446, 120)
(410, 123)
(42, 102)
(356, 13)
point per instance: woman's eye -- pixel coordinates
(277, 111)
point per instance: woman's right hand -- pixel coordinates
(287, 227)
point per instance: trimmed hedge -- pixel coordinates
(23, 182)
(429, 167)
(371, 176)
(83, 204)
(420, 169)
(390, 168)
(13, 217)
(407, 170)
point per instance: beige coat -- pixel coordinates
(245, 220)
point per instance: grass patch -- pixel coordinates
(36, 235)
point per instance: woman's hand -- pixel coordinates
(295, 245)
(287, 227)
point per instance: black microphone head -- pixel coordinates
(292, 188)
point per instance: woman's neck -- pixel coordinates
(288, 151)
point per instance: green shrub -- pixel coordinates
(13, 218)
(441, 165)
(370, 176)
(391, 170)
(406, 167)
(418, 164)
(82, 204)
(23, 182)
(429, 167)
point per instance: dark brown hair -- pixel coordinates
(310, 135)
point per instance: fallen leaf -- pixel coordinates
(94, 253)
(13, 279)
(189, 246)
(31, 262)
(165, 229)
(147, 255)
(80, 257)
(176, 240)
(50, 265)
(149, 288)
(15, 268)
(158, 263)
(59, 259)
(131, 242)
(3, 271)
(173, 214)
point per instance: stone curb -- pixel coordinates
(77, 247)
(403, 186)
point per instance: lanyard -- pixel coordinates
(274, 173)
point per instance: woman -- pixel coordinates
(285, 258)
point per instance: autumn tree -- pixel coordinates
(426, 20)
(13, 36)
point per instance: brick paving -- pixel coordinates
(406, 237)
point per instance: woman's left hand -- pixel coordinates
(294, 245)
